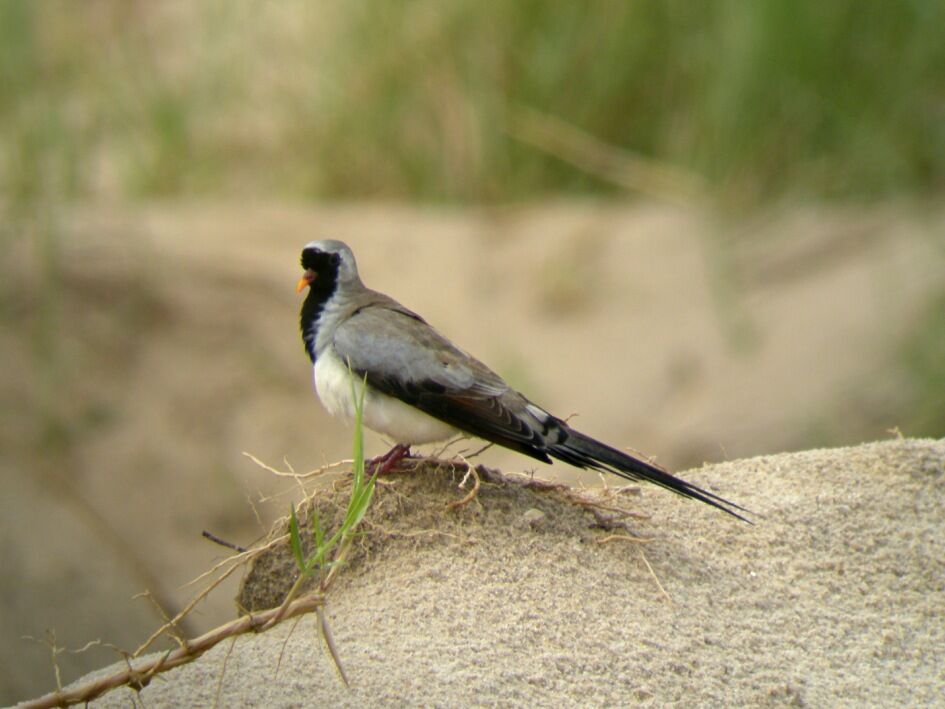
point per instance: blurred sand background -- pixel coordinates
(727, 244)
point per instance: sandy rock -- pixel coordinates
(833, 598)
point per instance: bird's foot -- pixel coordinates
(384, 464)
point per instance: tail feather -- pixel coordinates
(585, 452)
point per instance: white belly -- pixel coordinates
(384, 414)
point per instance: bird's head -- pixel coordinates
(327, 261)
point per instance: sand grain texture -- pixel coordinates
(834, 598)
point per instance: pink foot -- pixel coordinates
(385, 463)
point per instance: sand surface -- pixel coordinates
(834, 598)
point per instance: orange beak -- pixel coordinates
(305, 280)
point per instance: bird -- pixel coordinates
(420, 388)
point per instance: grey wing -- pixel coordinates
(403, 357)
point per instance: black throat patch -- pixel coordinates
(325, 266)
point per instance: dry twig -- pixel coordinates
(226, 658)
(623, 538)
(655, 577)
(471, 495)
(330, 644)
(141, 672)
(222, 542)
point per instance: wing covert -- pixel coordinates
(403, 357)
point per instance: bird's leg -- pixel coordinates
(383, 464)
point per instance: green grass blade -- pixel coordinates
(295, 540)
(359, 504)
(361, 494)
(317, 528)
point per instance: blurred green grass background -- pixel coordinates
(423, 100)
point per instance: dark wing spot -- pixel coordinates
(431, 387)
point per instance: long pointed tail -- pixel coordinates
(583, 451)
